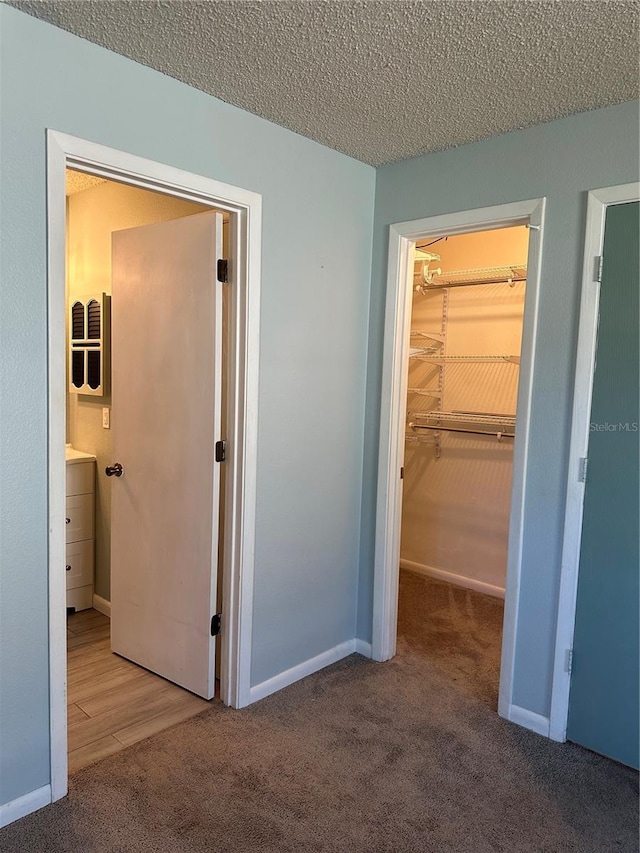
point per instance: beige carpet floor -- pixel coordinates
(403, 757)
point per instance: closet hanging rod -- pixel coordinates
(423, 288)
(498, 434)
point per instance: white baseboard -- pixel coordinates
(102, 605)
(301, 670)
(450, 577)
(529, 720)
(31, 802)
(363, 648)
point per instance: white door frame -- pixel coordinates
(240, 469)
(402, 239)
(597, 203)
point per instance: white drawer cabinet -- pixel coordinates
(79, 519)
(80, 564)
(80, 477)
(80, 506)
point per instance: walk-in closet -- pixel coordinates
(464, 361)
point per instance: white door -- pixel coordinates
(166, 385)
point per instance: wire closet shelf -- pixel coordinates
(426, 280)
(429, 347)
(477, 423)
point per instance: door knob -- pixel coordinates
(114, 470)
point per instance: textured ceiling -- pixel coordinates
(380, 81)
(78, 181)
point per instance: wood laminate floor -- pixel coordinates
(111, 702)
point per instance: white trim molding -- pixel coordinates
(22, 806)
(102, 605)
(363, 648)
(402, 239)
(452, 577)
(245, 235)
(597, 203)
(301, 670)
(528, 720)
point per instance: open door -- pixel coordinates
(166, 416)
(604, 711)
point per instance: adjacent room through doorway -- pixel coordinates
(122, 349)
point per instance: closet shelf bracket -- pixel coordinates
(432, 438)
(426, 392)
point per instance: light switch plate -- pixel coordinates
(106, 424)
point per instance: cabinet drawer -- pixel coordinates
(79, 523)
(80, 478)
(80, 597)
(79, 563)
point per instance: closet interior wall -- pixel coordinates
(457, 486)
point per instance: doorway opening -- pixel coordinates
(112, 701)
(462, 385)
(450, 357)
(137, 250)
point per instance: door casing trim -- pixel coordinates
(245, 236)
(402, 239)
(598, 201)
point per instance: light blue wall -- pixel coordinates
(560, 160)
(317, 293)
(318, 215)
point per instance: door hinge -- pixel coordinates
(582, 469)
(569, 661)
(402, 473)
(216, 619)
(223, 270)
(598, 267)
(221, 451)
